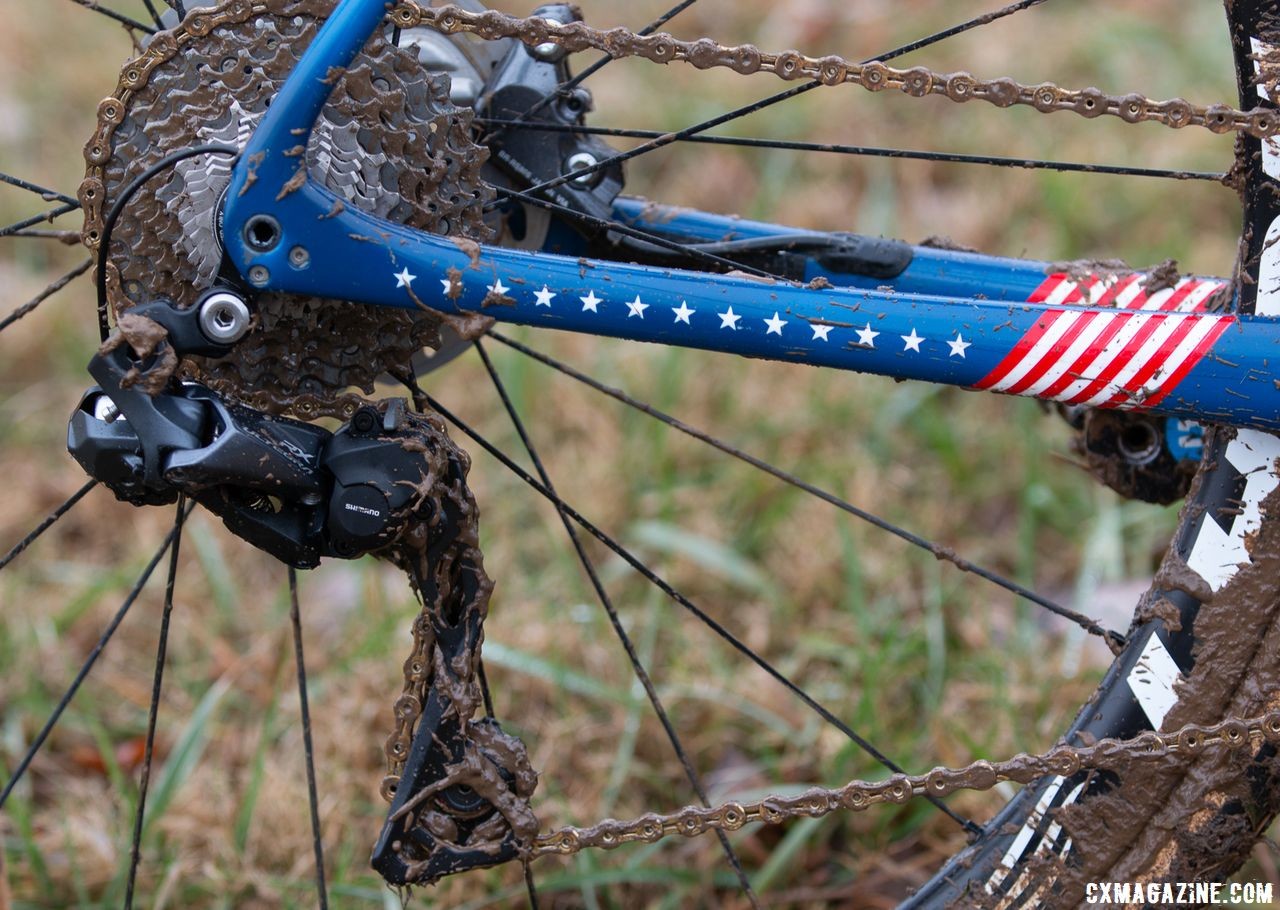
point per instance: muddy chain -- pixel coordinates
(875, 76)
(690, 821)
(857, 796)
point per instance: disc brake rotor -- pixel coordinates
(389, 142)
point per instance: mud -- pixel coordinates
(1205, 816)
(439, 551)
(146, 337)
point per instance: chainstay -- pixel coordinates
(857, 796)
(919, 81)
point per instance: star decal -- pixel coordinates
(911, 342)
(729, 319)
(683, 312)
(590, 302)
(497, 287)
(544, 296)
(636, 308)
(867, 336)
(775, 325)
(448, 285)
(820, 332)
(404, 279)
(958, 346)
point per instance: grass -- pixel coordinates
(928, 663)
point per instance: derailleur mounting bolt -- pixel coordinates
(224, 317)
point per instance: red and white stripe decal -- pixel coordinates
(1130, 351)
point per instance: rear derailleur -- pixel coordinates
(389, 482)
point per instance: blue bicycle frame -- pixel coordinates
(979, 322)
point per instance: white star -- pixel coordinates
(637, 308)
(683, 313)
(958, 346)
(867, 337)
(775, 325)
(497, 287)
(590, 302)
(448, 285)
(404, 279)
(911, 342)
(729, 319)
(820, 332)
(544, 296)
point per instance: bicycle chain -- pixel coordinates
(704, 53)
(857, 796)
(874, 76)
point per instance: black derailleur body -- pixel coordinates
(297, 491)
(529, 156)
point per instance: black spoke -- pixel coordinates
(642, 674)
(869, 151)
(665, 139)
(668, 138)
(575, 81)
(31, 752)
(317, 840)
(127, 21)
(70, 238)
(530, 888)
(155, 15)
(135, 850)
(48, 216)
(696, 611)
(1114, 639)
(43, 192)
(655, 239)
(45, 294)
(984, 19)
(47, 523)
(485, 694)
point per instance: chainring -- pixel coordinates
(389, 142)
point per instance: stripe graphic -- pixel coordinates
(1129, 351)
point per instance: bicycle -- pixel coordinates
(1160, 343)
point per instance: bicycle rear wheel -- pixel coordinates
(1215, 490)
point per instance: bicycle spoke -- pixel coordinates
(693, 609)
(46, 524)
(135, 850)
(37, 219)
(155, 15)
(70, 238)
(869, 151)
(43, 192)
(63, 702)
(529, 887)
(317, 841)
(668, 138)
(1114, 639)
(126, 21)
(633, 656)
(44, 295)
(601, 63)
(975, 22)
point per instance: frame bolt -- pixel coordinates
(299, 258)
(259, 276)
